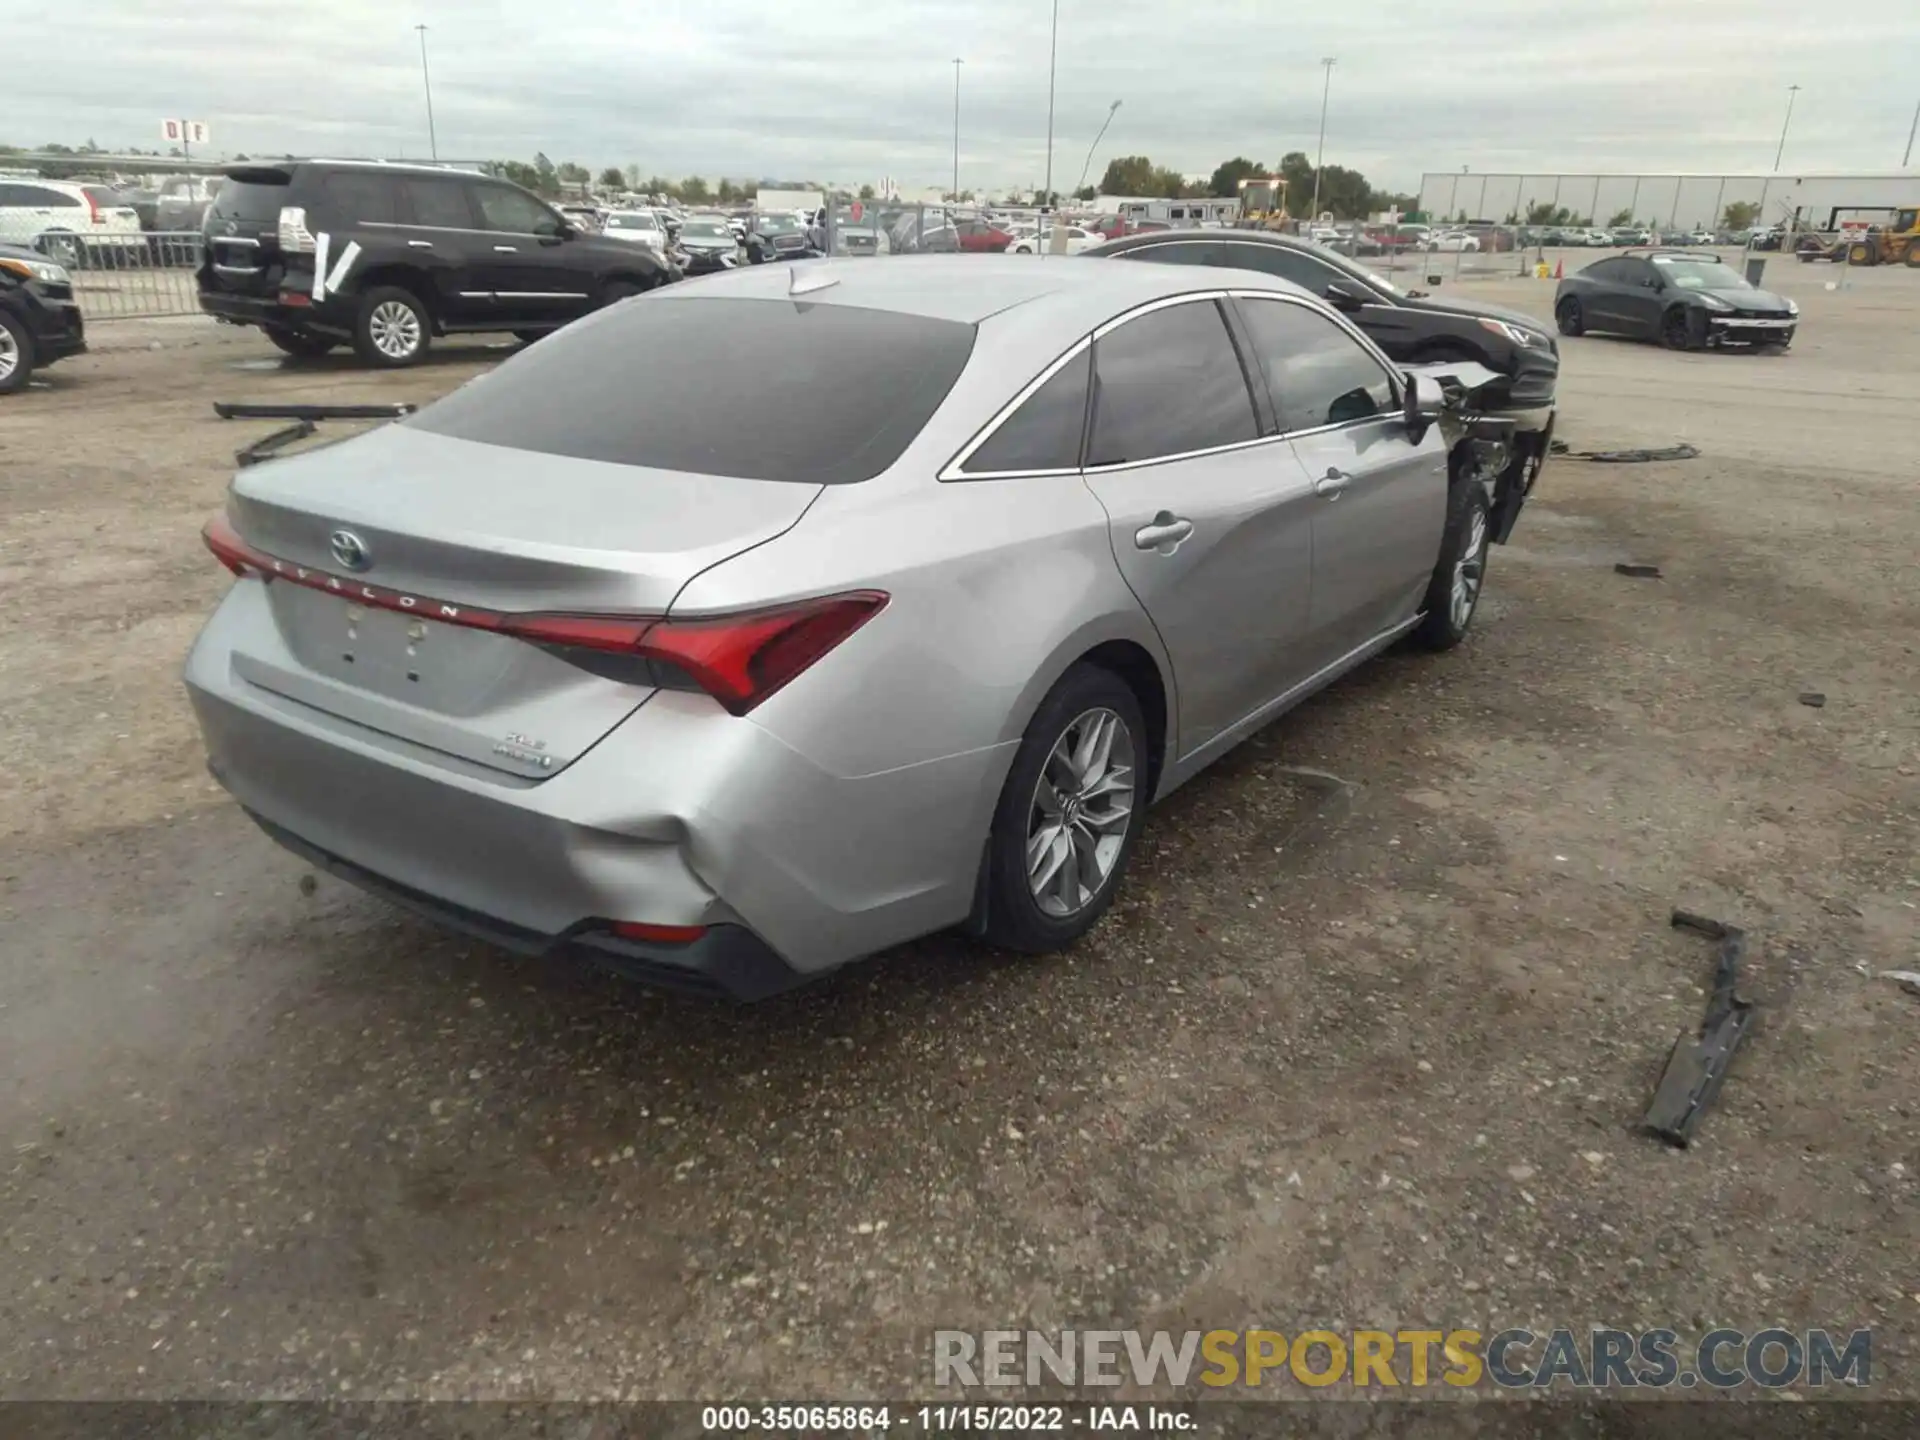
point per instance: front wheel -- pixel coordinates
(16, 354)
(61, 249)
(1453, 594)
(1676, 329)
(1569, 317)
(392, 329)
(1073, 803)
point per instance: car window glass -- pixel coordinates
(1317, 373)
(645, 386)
(1044, 433)
(1168, 383)
(437, 204)
(367, 199)
(1282, 260)
(1183, 252)
(10, 196)
(43, 199)
(510, 211)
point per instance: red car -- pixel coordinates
(978, 235)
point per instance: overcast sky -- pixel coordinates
(853, 90)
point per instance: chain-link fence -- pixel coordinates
(135, 276)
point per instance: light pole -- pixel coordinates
(1320, 155)
(1111, 109)
(1053, 52)
(956, 130)
(1912, 130)
(1792, 90)
(433, 141)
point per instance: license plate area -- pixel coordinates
(448, 669)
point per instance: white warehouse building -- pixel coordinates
(1804, 202)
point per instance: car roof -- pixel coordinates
(1071, 290)
(1211, 237)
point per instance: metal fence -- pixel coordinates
(129, 277)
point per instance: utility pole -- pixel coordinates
(1053, 54)
(1792, 90)
(1084, 169)
(956, 129)
(1320, 154)
(433, 141)
(1912, 130)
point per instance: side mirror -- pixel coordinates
(1341, 297)
(1419, 407)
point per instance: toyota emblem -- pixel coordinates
(349, 550)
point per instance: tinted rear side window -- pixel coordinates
(1177, 252)
(438, 204)
(366, 198)
(1168, 383)
(760, 389)
(1044, 433)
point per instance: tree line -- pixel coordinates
(1343, 192)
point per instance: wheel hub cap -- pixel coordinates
(9, 354)
(1468, 571)
(1081, 809)
(395, 329)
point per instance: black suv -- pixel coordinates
(39, 321)
(1412, 328)
(316, 252)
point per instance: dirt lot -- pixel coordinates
(1340, 1058)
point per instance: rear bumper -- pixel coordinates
(267, 310)
(680, 815)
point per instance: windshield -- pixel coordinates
(1691, 274)
(705, 230)
(778, 225)
(632, 222)
(660, 386)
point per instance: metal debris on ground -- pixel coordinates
(267, 446)
(1907, 980)
(1638, 571)
(235, 410)
(1562, 450)
(1813, 698)
(1697, 1064)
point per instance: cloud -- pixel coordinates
(850, 90)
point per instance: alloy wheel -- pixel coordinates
(395, 329)
(9, 355)
(1078, 819)
(1468, 571)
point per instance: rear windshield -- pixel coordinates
(760, 389)
(251, 202)
(101, 195)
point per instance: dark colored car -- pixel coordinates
(1412, 328)
(781, 237)
(39, 318)
(1686, 299)
(386, 257)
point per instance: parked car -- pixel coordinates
(1410, 328)
(1687, 300)
(386, 257)
(180, 204)
(1041, 241)
(708, 244)
(1625, 235)
(745, 696)
(1701, 237)
(1452, 242)
(40, 320)
(587, 219)
(73, 224)
(637, 227)
(784, 237)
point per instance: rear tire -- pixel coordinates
(1913, 254)
(1459, 576)
(1862, 253)
(1569, 316)
(392, 329)
(16, 355)
(1074, 832)
(300, 346)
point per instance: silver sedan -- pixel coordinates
(726, 674)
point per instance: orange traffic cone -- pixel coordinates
(1559, 269)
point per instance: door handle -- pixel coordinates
(421, 244)
(1166, 529)
(1330, 485)
(507, 249)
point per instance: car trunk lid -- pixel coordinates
(405, 547)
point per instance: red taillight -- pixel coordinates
(737, 659)
(657, 934)
(94, 206)
(742, 659)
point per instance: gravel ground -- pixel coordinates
(1356, 1051)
